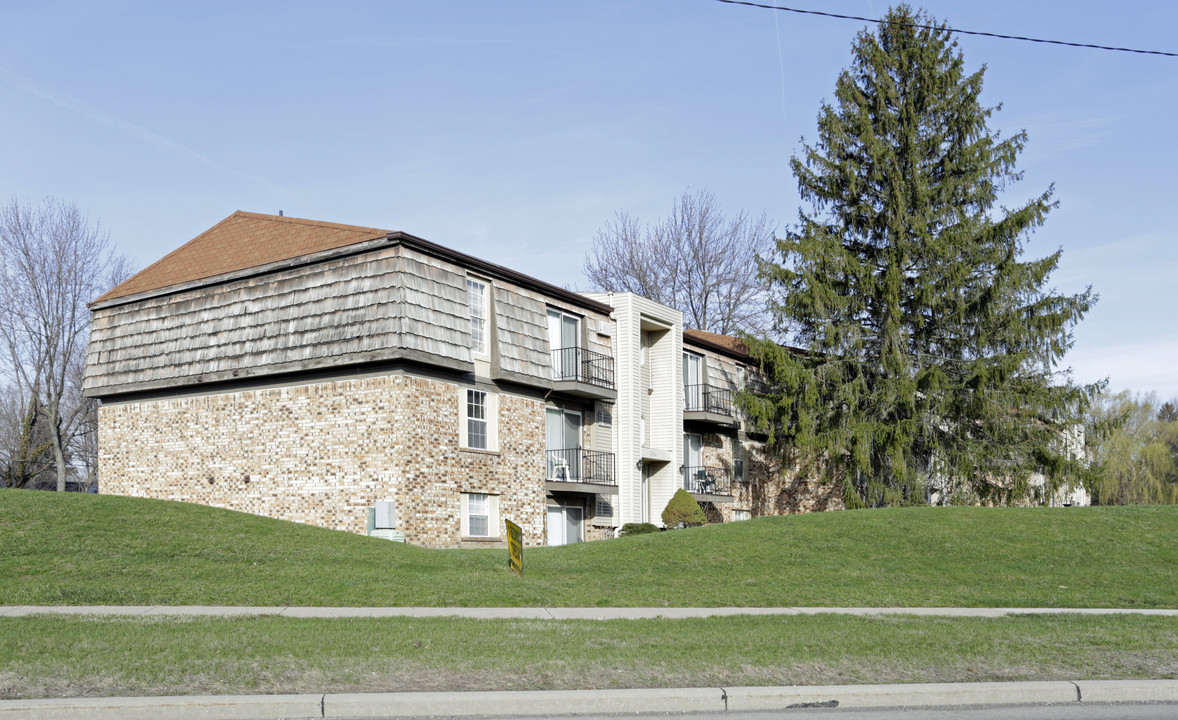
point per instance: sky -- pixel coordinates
(514, 130)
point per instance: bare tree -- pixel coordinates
(84, 446)
(25, 456)
(52, 262)
(697, 260)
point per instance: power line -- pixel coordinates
(781, 8)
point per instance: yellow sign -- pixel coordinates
(515, 547)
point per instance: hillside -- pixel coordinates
(78, 549)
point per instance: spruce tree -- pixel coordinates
(928, 346)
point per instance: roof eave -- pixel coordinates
(499, 272)
(388, 240)
(353, 249)
(716, 347)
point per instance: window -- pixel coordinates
(480, 515)
(605, 508)
(476, 419)
(693, 450)
(696, 478)
(693, 390)
(476, 292)
(605, 414)
(563, 439)
(564, 340)
(477, 512)
(476, 429)
(738, 461)
(738, 515)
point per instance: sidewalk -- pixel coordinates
(554, 703)
(543, 613)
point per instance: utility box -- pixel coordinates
(394, 535)
(382, 521)
(386, 515)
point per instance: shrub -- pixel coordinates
(638, 528)
(683, 511)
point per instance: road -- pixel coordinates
(1096, 711)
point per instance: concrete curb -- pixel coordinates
(1116, 691)
(921, 695)
(569, 702)
(548, 613)
(542, 703)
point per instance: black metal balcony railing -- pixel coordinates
(581, 365)
(707, 480)
(578, 465)
(707, 398)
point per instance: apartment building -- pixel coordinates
(317, 372)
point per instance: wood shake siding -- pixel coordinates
(434, 309)
(384, 305)
(521, 327)
(521, 324)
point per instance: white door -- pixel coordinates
(693, 461)
(563, 440)
(564, 339)
(555, 525)
(692, 379)
(565, 524)
(573, 521)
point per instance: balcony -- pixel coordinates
(583, 373)
(708, 483)
(579, 470)
(708, 404)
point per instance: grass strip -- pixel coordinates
(56, 656)
(74, 549)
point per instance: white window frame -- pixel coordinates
(490, 508)
(558, 470)
(696, 361)
(687, 459)
(741, 515)
(556, 332)
(478, 292)
(564, 365)
(603, 509)
(490, 404)
(739, 462)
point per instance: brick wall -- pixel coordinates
(784, 487)
(772, 487)
(323, 453)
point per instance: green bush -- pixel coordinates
(639, 528)
(683, 511)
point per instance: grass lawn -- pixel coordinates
(54, 656)
(79, 549)
(75, 549)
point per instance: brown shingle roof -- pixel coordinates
(729, 343)
(242, 240)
